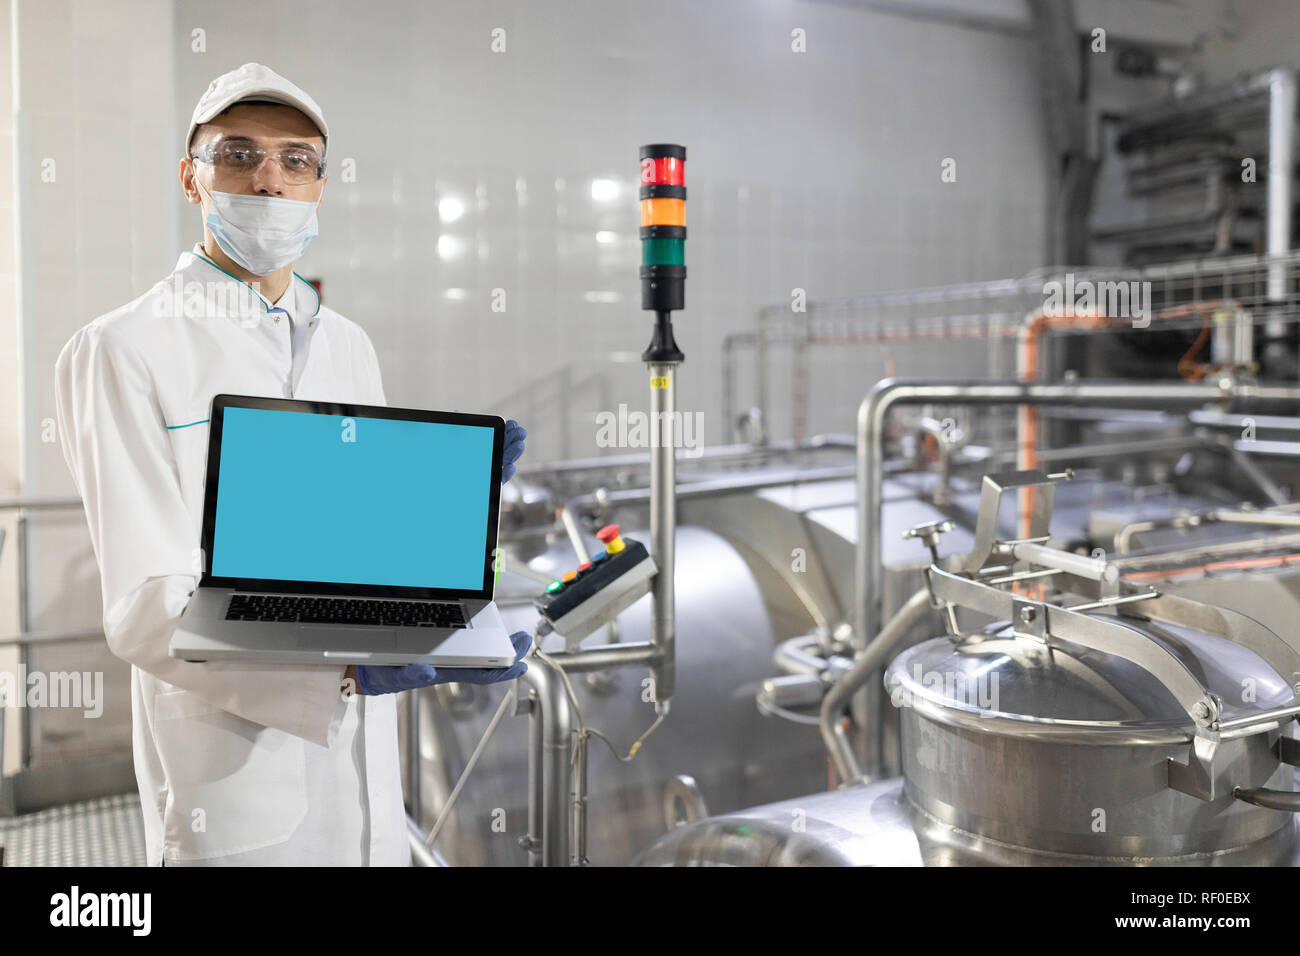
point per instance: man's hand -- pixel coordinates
(373, 680)
(514, 447)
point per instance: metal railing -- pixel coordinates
(25, 637)
(943, 323)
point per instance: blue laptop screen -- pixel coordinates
(369, 501)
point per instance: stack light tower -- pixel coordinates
(663, 291)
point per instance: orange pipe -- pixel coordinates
(1031, 355)
(1241, 564)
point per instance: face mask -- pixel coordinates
(261, 233)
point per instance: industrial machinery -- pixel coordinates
(1104, 723)
(1135, 621)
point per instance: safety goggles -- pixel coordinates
(236, 160)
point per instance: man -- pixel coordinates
(236, 764)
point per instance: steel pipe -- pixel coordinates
(579, 857)
(1281, 163)
(1077, 564)
(718, 486)
(727, 454)
(609, 657)
(869, 661)
(663, 528)
(800, 655)
(421, 853)
(874, 412)
(575, 536)
(551, 724)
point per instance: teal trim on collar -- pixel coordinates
(313, 289)
(266, 305)
(188, 424)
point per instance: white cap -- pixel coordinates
(252, 81)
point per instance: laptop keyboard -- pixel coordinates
(331, 610)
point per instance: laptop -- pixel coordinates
(350, 534)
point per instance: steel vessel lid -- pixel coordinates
(996, 681)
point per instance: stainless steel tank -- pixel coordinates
(1068, 747)
(1013, 756)
(1016, 754)
(858, 826)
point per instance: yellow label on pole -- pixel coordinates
(659, 381)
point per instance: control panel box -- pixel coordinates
(594, 593)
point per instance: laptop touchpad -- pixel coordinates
(362, 639)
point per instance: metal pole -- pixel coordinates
(421, 853)
(580, 803)
(536, 788)
(1281, 142)
(575, 535)
(872, 416)
(663, 526)
(24, 650)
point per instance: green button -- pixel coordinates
(555, 587)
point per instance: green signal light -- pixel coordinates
(663, 252)
(554, 586)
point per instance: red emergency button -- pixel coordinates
(609, 536)
(584, 566)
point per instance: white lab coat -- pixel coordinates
(236, 764)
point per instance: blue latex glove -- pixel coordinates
(373, 680)
(514, 447)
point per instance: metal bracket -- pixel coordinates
(1029, 619)
(1288, 751)
(1197, 777)
(986, 525)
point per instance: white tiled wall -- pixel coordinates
(87, 127)
(818, 170)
